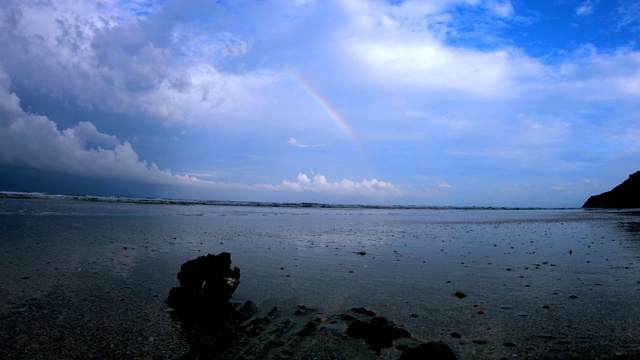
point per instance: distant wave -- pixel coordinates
(135, 200)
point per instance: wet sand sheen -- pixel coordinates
(90, 279)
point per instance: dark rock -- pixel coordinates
(455, 335)
(206, 283)
(347, 318)
(480, 340)
(460, 295)
(363, 311)
(308, 329)
(378, 332)
(430, 350)
(625, 195)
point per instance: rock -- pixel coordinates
(206, 282)
(430, 350)
(308, 329)
(460, 295)
(625, 195)
(455, 335)
(480, 340)
(378, 332)
(363, 311)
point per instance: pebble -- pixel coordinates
(460, 295)
(505, 307)
(508, 344)
(480, 340)
(455, 335)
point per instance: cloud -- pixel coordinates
(319, 184)
(294, 142)
(35, 141)
(136, 58)
(297, 143)
(586, 8)
(500, 8)
(629, 15)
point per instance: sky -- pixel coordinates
(432, 102)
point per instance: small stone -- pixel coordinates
(361, 253)
(508, 344)
(546, 307)
(480, 340)
(573, 297)
(460, 295)
(522, 314)
(455, 335)
(505, 307)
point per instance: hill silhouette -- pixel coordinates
(623, 196)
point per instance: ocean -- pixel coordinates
(89, 277)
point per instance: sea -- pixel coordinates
(89, 276)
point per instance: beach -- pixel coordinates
(90, 279)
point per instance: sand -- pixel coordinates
(90, 280)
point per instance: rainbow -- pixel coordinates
(334, 116)
(327, 108)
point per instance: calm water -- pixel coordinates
(570, 274)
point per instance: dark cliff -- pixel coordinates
(625, 195)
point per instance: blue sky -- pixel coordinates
(447, 102)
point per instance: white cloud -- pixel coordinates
(586, 8)
(629, 15)
(294, 142)
(319, 184)
(128, 59)
(443, 185)
(501, 8)
(35, 141)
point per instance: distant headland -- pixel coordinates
(625, 195)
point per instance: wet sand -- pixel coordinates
(90, 280)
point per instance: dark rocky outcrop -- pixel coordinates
(206, 284)
(623, 196)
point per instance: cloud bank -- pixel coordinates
(35, 141)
